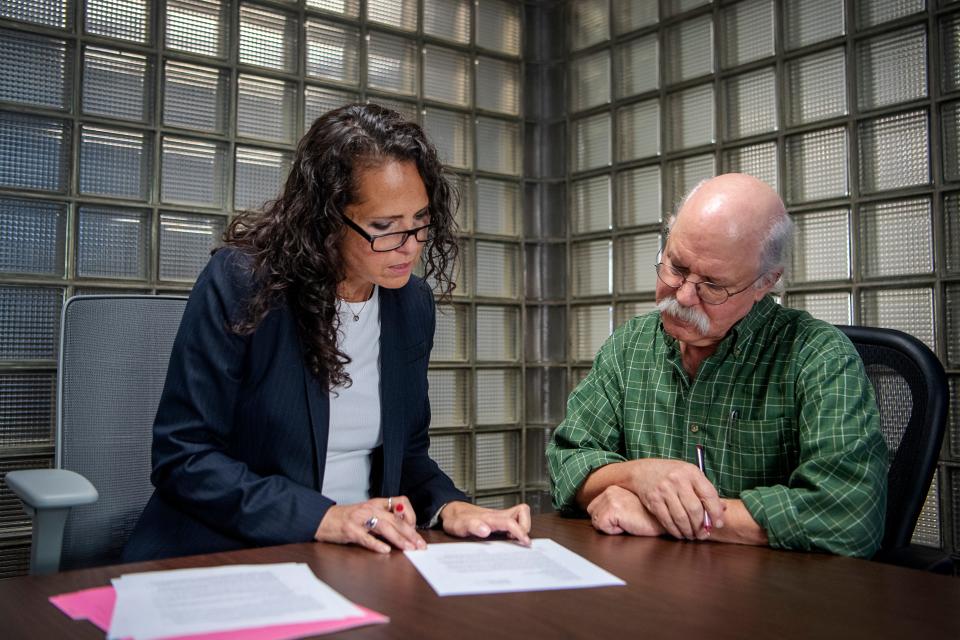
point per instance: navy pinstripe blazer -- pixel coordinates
(240, 437)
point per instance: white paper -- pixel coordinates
(462, 568)
(161, 604)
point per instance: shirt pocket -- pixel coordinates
(762, 453)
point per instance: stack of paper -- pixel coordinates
(241, 601)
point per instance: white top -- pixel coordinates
(355, 429)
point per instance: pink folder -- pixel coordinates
(96, 605)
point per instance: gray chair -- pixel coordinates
(114, 353)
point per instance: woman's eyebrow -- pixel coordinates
(397, 216)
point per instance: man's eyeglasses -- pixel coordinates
(394, 240)
(709, 292)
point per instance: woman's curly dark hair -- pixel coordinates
(294, 242)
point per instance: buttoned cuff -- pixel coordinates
(773, 509)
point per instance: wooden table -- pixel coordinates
(687, 590)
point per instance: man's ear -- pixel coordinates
(768, 282)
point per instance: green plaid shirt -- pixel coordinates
(784, 411)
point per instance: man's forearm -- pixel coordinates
(739, 526)
(614, 474)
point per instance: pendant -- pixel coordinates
(356, 317)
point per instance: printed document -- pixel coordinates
(184, 602)
(462, 568)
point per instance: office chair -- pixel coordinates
(114, 353)
(912, 396)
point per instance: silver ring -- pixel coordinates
(390, 503)
(371, 523)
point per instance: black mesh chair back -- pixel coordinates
(911, 389)
(114, 354)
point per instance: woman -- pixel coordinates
(297, 388)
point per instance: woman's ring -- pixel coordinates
(390, 503)
(371, 523)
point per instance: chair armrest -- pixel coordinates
(917, 557)
(51, 488)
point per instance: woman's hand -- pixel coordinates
(463, 519)
(372, 524)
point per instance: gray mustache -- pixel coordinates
(697, 318)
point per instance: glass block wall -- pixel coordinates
(131, 130)
(850, 109)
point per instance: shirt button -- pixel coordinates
(694, 428)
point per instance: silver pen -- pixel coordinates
(707, 523)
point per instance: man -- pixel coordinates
(778, 401)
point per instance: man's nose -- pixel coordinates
(687, 294)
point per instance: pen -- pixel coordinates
(707, 523)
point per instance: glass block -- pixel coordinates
(817, 165)
(391, 63)
(447, 19)
(629, 310)
(333, 52)
(953, 415)
(592, 268)
(688, 49)
(546, 271)
(758, 160)
(195, 97)
(399, 14)
(689, 120)
(268, 38)
(51, 13)
(446, 76)
(32, 236)
(590, 80)
(498, 333)
(464, 213)
(498, 207)
(448, 398)
(498, 85)
(684, 175)
(591, 327)
(406, 109)
(34, 152)
(498, 501)
(542, 342)
(498, 460)
(950, 132)
(452, 454)
(115, 162)
(747, 32)
(16, 553)
(874, 12)
(951, 215)
(29, 322)
(633, 14)
(266, 108)
(812, 21)
(198, 26)
(894, 152)
(950, 52)
(498, 269)
(896, 238)
(35, 70)
(498, 146)
(319, 100)
(117, 84)
(113, 242)
(590, 22)
(821, 246)
(927, 530)
(534, 455)
(259, 176)
(638, 130)
(676, 7)
(27, 409)
(638, 66)
(122, 19)
(638, 196)
(591, 142)
(908, 310)
(497, 396)
(450, 336)
(498, 26)
(816, 87)
(832, 307)
(349, 8)
(952, 304)
(751, 104)
(590, 205)
(463, 271)
(185, 243)
(636, 256)
(892, 68)
(193, 172)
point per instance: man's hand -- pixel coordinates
(618, 510)
(677, 494)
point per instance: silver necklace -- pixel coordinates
(356, 314)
